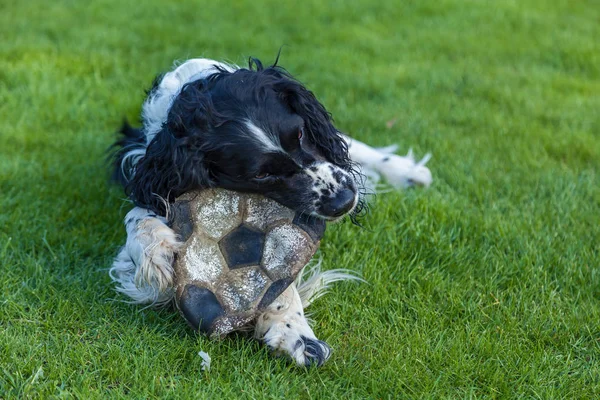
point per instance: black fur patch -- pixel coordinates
(316, 351)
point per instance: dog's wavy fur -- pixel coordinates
(180, 156)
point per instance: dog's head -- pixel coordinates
(252, 130)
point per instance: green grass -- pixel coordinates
(486, 285)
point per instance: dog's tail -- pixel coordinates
(313, 283)
(126, 152)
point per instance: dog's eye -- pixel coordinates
(300, 133)
(262, 175)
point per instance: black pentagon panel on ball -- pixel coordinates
(273, 292)
(242, 247)
(181, 220)
(315, 227)
(200, 307)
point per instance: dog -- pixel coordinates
(257, 130)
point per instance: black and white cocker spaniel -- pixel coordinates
(255, 129)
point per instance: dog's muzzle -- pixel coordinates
(335, 190)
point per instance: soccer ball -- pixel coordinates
(241, 252)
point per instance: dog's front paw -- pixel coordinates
(159, 245)
(292, 336)
(156, 269)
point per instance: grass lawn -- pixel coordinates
(486, 285)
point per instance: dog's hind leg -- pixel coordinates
(143, 269)
(399, 171)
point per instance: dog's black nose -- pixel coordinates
(340, 204)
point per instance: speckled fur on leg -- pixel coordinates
(284, 329)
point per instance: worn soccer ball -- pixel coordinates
(241, 252)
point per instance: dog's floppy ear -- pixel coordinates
(174, 162)
(319, 124)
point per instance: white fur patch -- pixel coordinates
(130, 161)
(143, 269)
(313, 283)
(156, 108)
(285, 329)
(262, 138)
